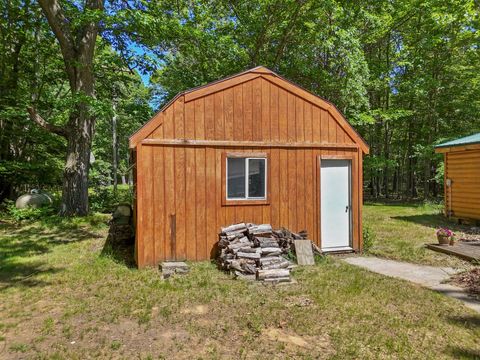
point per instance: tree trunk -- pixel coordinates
(75, 175)
(114, 147)
(77, 46)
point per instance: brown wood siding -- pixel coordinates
(180, 202)
(196, 201)
(463, 169)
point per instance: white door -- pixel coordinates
(335, 185)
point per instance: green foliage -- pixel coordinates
(28, 213)
(103, 199)
(368, 237)
(290, 255)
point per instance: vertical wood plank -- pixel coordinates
(308, 121)
(291, 125)
(209, 118)
(275, 202)
(318, 207)
(316, 124)
(190, 183)
(360, 199)
(220, 218)
(299, 120)
(189, 116)
(315, 185)
(257, 118)
(179, 168)
(238, 113)
(190, 195)
(332, 129)
(247, 111)
(200, 119)
(219, 116)
(169, 191)
(169, 199)
(139, 235)
(159, 204)
(283, 188)
(149, 245)
(274, 112)
(324, 126)
(292, 190)
(211, 209)
(282, 114)
(180, 190)
(228, 100)
(355, 204)
(266, 108)
(200, 189)
(300, 185)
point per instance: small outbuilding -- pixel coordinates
(253, 147)
(462, 177)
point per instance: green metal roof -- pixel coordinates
(472, 139)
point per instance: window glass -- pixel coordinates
(256, 178)
(236, 178)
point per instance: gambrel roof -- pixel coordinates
(237, 79)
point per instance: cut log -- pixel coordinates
(250, 250)
(234, 227)
(245, 255)
(273, 273)
(277, 265)
(278, 280)
(271, 251)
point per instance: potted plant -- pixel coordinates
(444, 236)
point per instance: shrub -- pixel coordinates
(28, 213)
(368, 238)
(103, 199)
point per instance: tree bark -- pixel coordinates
(77, 50)
(114, 147)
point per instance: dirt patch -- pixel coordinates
(196, 310)
(321, 344)
(469, 280)
(298, 301)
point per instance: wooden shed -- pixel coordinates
(462, 177)
(253, 147)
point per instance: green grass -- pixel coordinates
(65, 295)
(402, 230)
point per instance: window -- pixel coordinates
(246, 178)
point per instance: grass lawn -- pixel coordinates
(402, 230)
(64, 295)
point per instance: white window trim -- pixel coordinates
(247, 164)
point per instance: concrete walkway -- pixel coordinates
(428, 276)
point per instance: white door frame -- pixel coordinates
(351, 160)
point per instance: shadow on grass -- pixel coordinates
(20, 243)
(24, 275)
(462, 353)
(428, 220)
(120, 253)
(470, 321)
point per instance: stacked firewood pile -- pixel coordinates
(121, 230)
(258, 252)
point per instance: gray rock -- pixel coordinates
(35, 200)
(173, 267)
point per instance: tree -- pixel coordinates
(76, 35)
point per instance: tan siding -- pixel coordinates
(463, 168)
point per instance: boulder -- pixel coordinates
(34, 200)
